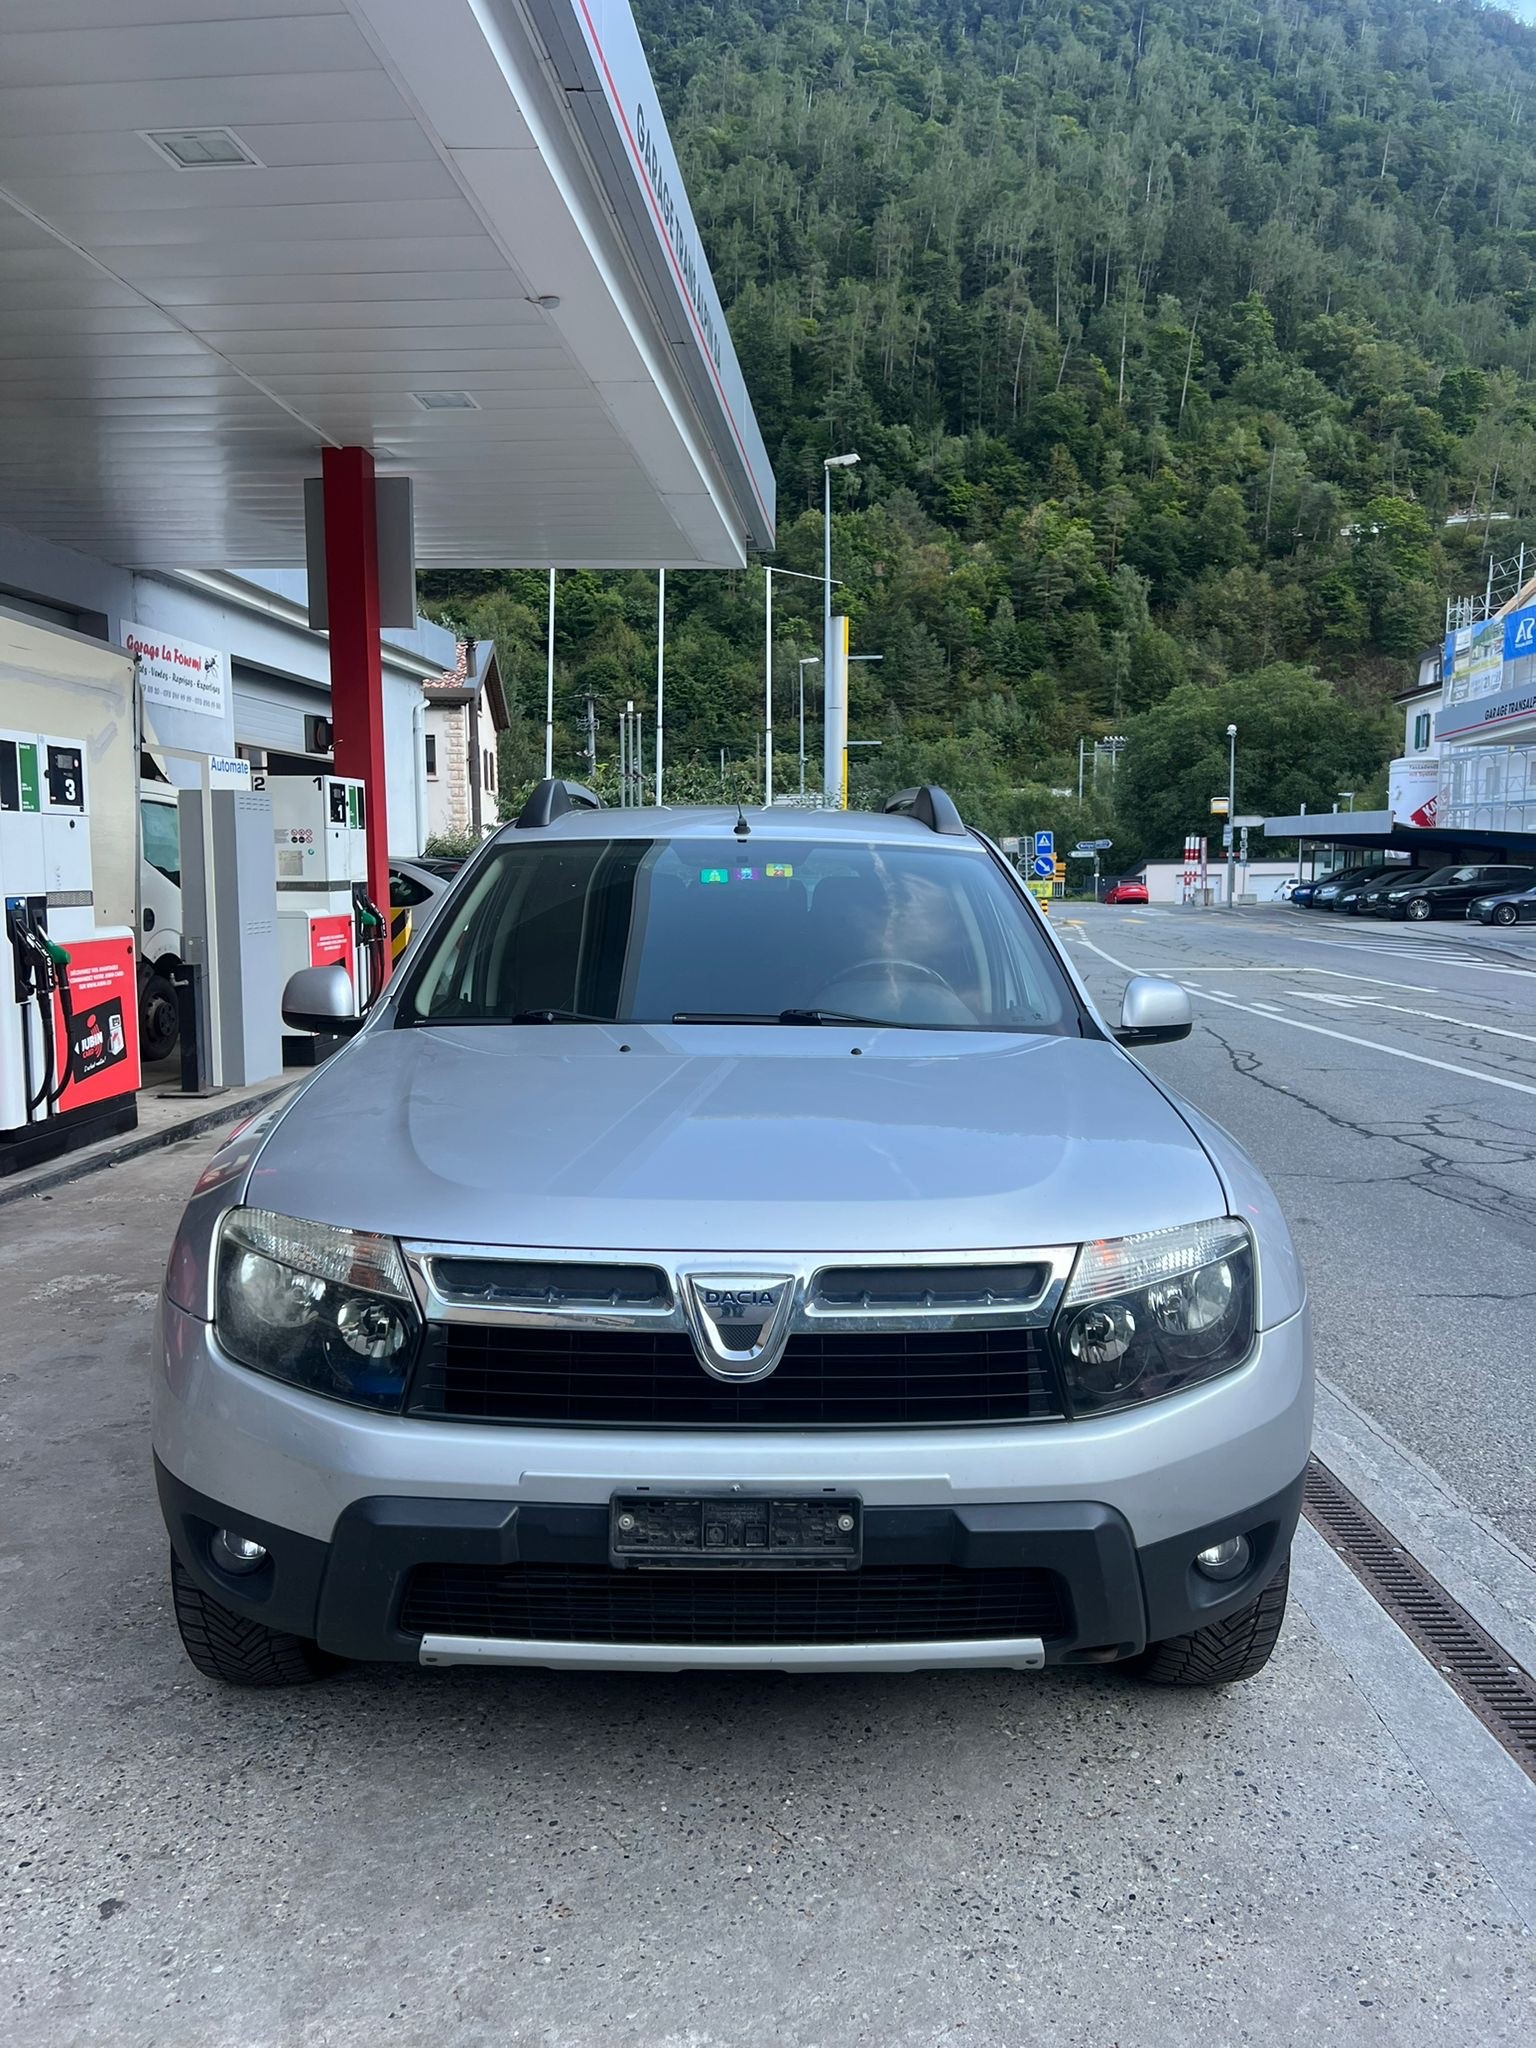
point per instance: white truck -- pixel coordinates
(159, 933)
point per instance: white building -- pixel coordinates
(274, 707)
(466, 712)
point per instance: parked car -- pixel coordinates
(1327, 891)
(1300, 893)
(923, 1326)
(1514, 906)
(1373, 897)
(1130, 891)
(416, 885)
(1448, 891)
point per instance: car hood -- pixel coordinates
(734, 1139)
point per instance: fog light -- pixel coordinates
(1227, 1559)
(234, 1553)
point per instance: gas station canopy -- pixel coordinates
(234, 233)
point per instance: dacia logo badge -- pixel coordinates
(739, 1322)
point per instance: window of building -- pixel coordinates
(490, 770)
(1421, 726)
(430, 743)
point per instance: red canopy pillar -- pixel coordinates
(357, 676)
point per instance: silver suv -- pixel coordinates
(734, 1241)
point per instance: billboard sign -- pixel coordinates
(1413, 790)
(1490, 675)
(177, 673)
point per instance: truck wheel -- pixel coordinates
(224, 1645)
(158, 1027)
(1223, 1652)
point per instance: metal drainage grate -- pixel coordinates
(1478, 1670)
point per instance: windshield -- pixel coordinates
(740, 931)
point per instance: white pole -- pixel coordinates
(623, 762)
(831, 769)
(661, 643)
(803, 666)
(549, 688)
(767, 688)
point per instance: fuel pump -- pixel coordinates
(325, 916)
(69, 1065)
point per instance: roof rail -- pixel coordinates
(930, 806)
(552, 799)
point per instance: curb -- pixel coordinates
(144, 1142)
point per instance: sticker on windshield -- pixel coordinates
(714, 874)
(746, 874)
(778, 871)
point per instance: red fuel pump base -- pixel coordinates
(66, 1131)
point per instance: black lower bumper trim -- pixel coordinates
(1108, 1599)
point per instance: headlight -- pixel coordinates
(1150, 1315)
(328, 1310)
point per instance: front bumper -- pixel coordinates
(1110, 1512)
(1100, 1597)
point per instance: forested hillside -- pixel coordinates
(1170, 333)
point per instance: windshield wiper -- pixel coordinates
(785, 1017)
(841, 1017)
(556, 1017)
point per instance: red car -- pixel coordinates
(1126, 892)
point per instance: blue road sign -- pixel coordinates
(1044, 865)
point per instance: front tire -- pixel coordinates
(1505, 913)
(1418, 909)
(1223, 1652)
(159, 1027)
(225, 1646)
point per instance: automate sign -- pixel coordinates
(177, 673)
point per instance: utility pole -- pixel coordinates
(1082, 743)
(549, 688)
(661, 643)
(591, 735)
(1231, 814)
(768, 687)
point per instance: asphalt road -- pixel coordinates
(1384, 1078)
(1336, 1852)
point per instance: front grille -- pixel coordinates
(591, 1604)
(483, 1372)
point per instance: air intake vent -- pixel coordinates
(531, 1284)
(939, 1290)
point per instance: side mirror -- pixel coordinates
(1153, 1011)
(320, 999)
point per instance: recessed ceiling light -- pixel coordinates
(547, 301)
(445, 401)
(202, 149)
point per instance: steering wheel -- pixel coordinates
(911, 967)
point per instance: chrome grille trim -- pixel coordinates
(440, 1302)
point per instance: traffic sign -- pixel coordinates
(1082, 853)
(1093, 846)
(1010, 844)
(1219, 807)
(1044, 863)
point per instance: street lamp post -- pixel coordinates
(1231, 814)
(834, 718)
(806, 661)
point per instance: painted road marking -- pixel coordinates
(1396, 1052)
